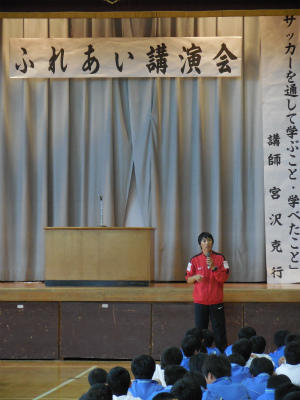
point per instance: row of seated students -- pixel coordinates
(198, 371)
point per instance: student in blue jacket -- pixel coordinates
(261, 369)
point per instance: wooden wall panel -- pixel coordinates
(234, 320)
(267, 318)
(169, 324)
(28, 330)
(105, 330)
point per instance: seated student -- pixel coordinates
(172, 374)
(198, 378)
(189, 346)
(217, 372)
(163, 396)
(295, 395)
(97, 375)
(261, 369)
(258, 347)
(279, 339)
(99, 391)
(196, 362)
(244, 348)
(186, 389)
(238, 370)
(169, 356)
(274, 382)
(291, 367)
(143, 386)
(244, 333)
(118, 379)
(291, 337)
(208, 340)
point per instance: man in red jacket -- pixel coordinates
(208, 271)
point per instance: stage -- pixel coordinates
(39, 322)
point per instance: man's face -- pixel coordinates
(206, 245)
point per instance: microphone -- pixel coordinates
(207, 256)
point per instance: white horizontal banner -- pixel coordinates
(126, 57)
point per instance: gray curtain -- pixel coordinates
(181, 155)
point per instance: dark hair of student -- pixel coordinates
(143, 367)
(173, 373)
(246, 332)
(295, 395)
(205, 235)
(243, 347)
(258, 344)
(195, 332)
(185, 389)
(218, 366)
(276, 381)
(197, 377)
(170, 356)
(279, 337)
(291, 337)
(237, 358)
(99, 391)
(196, 362)
(163, 396)
(97, 375)
(283, 390)
(292, 353)
(208, 337)
(118, 379)
(260, 365)
(189, 345)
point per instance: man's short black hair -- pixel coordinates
(218, 366)
(205, 235)
(99, 391)
(236, 358)
(277, 380)
(143, 367)
(196, 362)
(195, 332)
(243, 347)
(292, 337)
(295, 395)
(186, 389)
(163, 396)
(173, 373)
(258, 344)
(261, 365)
(170, 356)
(246, 332)
(118, 379)
(208, 337)
(189, 345)
(97, 375)
(197, 377)
(283, 390)
(279, 337)
(292, 353)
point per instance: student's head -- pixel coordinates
(170, 356)
(143, 367)
(279, 337)
(208, 337)
(163, 396)
(243, 347)
(261, 365)
(197, 377)
(275, 381)
(99, 391)
(173, 373)
(292, 353)
(282, 391)
(206, 241)
(237, 358)
(195, 332)
(118, 379)
(196, 362)
(186, 389)
(189, 345)
(292, 337)
(97, 375)
(246, 332)
(258, 344)
(215, 367)
(295, 395)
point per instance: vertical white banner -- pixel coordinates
(281, 127)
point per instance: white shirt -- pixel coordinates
(159, 375)
(127, 396)
(291, 371)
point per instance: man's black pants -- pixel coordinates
(215, 313)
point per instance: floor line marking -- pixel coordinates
(63, 384)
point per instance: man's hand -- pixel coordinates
(197, 278)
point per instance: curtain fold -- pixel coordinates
(181, 155)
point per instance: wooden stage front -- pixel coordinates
(39, 322)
